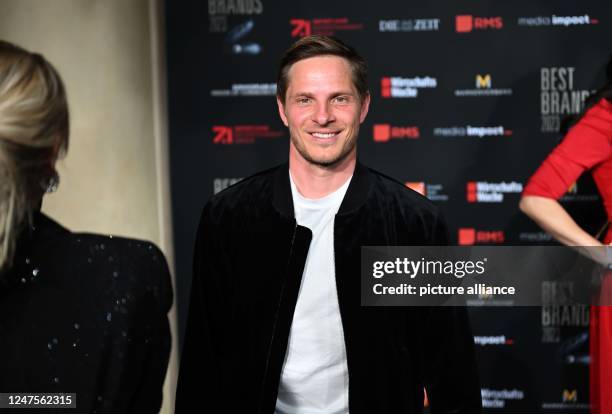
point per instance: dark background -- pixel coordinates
(542, 365)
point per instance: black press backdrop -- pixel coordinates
(466, 102)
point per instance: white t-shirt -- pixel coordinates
(314, 378)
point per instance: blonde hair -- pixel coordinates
(33, 133)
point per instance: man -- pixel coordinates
(275, 323)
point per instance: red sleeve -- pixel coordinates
(586, 145)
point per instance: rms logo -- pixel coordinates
(470, 236)
(385, 132)
(466, 23)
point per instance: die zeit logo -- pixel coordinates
(323, 26)
(466, 23)
(470, 236)
(242, 134)
(385, 132)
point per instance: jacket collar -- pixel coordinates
(356, 194)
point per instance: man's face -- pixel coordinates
(323, 110)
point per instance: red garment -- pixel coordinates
(587, 146)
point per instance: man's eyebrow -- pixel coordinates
(333, 94)
(306, 94)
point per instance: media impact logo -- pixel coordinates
(471, 131)
(554, 20)
(493, 340)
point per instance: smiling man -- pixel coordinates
(275, 321)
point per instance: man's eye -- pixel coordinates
(303, 100)
(341, 99)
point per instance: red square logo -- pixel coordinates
(464, 23)
(382, 132)
(467, 236)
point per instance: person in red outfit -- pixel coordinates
(586, 147)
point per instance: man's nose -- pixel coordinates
(323, 114)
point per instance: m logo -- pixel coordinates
(570, 395)
(224, 135)
(301, 27)
(483, 82)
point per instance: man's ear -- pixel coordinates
(365, 106)
(281, 111)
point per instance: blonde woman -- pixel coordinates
(79, 313)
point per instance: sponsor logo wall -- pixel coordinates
(467, 100)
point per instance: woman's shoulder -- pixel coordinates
(49, 234)
(97, 261)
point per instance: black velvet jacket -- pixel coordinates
(85, 314)
(249, 259)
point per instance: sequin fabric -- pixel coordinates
(85, 314)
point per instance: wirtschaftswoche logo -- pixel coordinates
(471, 131)
(483, 86)
(409, 25)
(243, 134)
(492, 340)
(245, 89)
(491, 192)
(469, 236)
(492, 398)
(559, 96)
(399, 87)
(387, 132)
(434, 192)
(466, 23)
(557, 21)
(322, 26)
